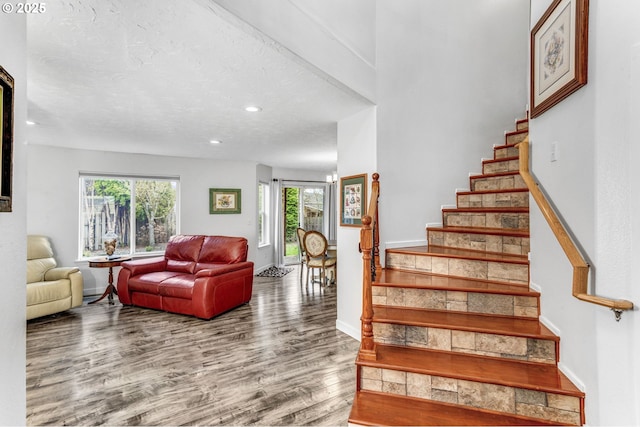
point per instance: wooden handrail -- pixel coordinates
(580, 266)
(370, 248)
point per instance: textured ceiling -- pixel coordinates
(146, 76)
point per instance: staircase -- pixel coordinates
(455, 325)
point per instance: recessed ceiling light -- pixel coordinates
(215, 141)
(30, 122)
(253, 109)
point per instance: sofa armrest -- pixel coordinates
(220, 288)
(217, 270)
(143, 266)
(59, 273)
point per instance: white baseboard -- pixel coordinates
(89, 292)
(574, 379)
(348, 329)
(558, 332)
(401, 244)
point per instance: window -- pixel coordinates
(263, 214)
(140, 212)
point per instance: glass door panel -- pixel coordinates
(302, 206)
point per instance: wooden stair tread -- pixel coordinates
(371, 408)
(499, 146)
(494, 175)
(464, 321)
(503, 159)
(443, 251)
(469, 367)
(512, 232)
(516, 132)
(424, 280)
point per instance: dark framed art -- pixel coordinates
(353, 200)
(6, 141)
(559, 53)
(225, 200)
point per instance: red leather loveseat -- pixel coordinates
(201, 276)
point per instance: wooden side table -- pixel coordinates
(106, 262)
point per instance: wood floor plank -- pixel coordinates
(278, 360)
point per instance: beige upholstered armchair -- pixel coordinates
(50, 289)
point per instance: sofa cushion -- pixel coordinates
(182, 253)
(180, 286)
(150, 282)
(223, 250)
(39, 258)
(38, 247)
(43, 292)
(36, 268)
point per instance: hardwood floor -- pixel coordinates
(278, 360)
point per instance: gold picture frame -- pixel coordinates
(6, 139)
(559, 43)
(353, 200)
(225, 201)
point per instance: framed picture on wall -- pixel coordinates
(6, 139)
(225, 200)
(353, 200)
(559, 53)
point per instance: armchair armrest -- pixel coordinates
(217, 270)
(59, 273)
(143, 266)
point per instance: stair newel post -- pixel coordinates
(367, 344)
(375, 187)
(369, 246)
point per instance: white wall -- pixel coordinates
(52, 195)
(594, 185)
(13, 244)
(451, 80)
(356, 155)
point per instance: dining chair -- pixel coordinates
(300, 232)
(316, 249)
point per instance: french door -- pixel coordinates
(303, 205)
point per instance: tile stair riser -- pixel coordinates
(460, 267)
(501, 182)
(514, 138)
(501, 152)
(468, 342)
(456, 300)
(522, 125)
(507, 220)
(507, 399)
(480, 242)
(493, 200)
(504, 166)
